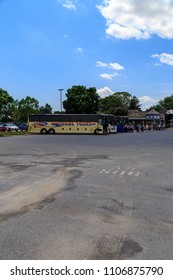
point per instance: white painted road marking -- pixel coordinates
(121, 171)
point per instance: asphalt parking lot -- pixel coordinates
(86, 196)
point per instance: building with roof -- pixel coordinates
(151, 119)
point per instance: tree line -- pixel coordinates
(79, 100)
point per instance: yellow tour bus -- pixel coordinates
(68, 123)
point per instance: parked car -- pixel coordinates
(10, 127)
(2, 128)
(23, 126)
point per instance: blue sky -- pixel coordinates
(112, 45)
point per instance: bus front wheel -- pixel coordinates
(96, 131)
(44, 131)
(51, 131)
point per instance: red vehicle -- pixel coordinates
(2, 128)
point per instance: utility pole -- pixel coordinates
(60, 91)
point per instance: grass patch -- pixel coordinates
(6, 133)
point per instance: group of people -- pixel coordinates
(130, 127)
(127, 127)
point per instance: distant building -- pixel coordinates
(152, 118)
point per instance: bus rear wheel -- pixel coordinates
(96, 131)
(43, 131)
(51, 131)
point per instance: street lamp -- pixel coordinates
(60, 91)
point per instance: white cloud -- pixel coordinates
(108, 76)
(111, 65)
(147, 101)
(105, 91)
(116, 66)
(66, 36)
(79, 50)
(164, 58)
(101, 64)
(69, 4)
(138, 19)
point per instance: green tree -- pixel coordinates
(47, 109)
(10, 112)
(81, 100)
(117, 103)
(163, 104)
(157, 107)
(28, 105)
(5, 99)
(135, 103)
(124, 97)
(166, 103)
(14, 109)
